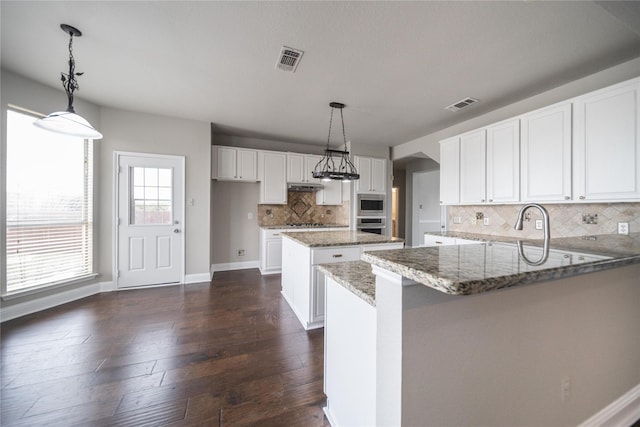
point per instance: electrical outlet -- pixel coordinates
(565, 389)
(623, 228)
(538, 224)
(485, 221)
(250, 215)
(457, 220)
(240, 252)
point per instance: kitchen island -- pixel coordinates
(486, 334)
(303, 283)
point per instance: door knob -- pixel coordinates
(177, 230)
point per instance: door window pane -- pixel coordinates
(151, 190)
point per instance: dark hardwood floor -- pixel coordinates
(222, 354)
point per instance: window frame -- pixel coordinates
(90, 158)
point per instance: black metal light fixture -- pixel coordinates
(335, 164)
(68, 122)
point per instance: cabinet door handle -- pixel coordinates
(438, 243)
(582, 197)
(482, 200)
(337, 255)
(276, 234)
(490, 200)
(567, 197)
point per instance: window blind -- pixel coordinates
(49, 205)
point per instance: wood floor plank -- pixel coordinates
(229, 352)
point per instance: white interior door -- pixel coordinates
(150, 226)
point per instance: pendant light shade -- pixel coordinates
(68, 122)
(335, 164)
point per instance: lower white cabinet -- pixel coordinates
(270, 251)
(303, 285)
(434, 240)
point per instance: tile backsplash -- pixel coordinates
(301, 208)
(565, 220)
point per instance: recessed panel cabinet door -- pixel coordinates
(546, 155)
(473, 168)
(450, 171)
(607, 145)
(503, 162)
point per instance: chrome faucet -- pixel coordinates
(545, 216)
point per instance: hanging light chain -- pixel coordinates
(69, 81)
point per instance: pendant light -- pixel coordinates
(335, 164)
(68, 122)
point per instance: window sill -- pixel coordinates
(50, 286)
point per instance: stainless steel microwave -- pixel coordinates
(371, 205)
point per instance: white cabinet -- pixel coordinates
(331, 194)
(435, 240)
(606, 145)
(503, 162)
(473, 167)
(303, 285)
(546, 154)
(234, 164)
(273, 178)
(270, 251)
(373, 175)
(450, 171)
(300, 167)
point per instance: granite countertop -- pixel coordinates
(356, 276)
(300, 227)
(496, 262)
(316, 239)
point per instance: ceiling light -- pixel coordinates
(68, 122)
(327, 169)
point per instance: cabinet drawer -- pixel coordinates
(331, 255)
(431, 240)
(273, 233)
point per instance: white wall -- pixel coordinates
(426, 204)
(429, 145)
(147, 133)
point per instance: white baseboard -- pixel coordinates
(622, 412)
(242, 265)
(38, 304)
(197, 278)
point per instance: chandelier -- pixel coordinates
(335, 164)
(68, 122)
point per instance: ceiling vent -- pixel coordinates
(289, 59)
(463, 103)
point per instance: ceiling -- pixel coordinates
(396, 65)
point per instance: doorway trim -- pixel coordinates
(116, 212)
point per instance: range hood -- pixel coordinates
(310, 186)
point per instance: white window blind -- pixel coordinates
(49, 206)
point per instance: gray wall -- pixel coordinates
(25, 93)
(125, 131)
(428, 144)
(417, 165)
(147, 133)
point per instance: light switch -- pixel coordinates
(250, 215)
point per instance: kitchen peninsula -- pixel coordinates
(479, 334)
(303, 283)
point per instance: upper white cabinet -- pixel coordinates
(606, 145)
(450, 171)
(331, 194)
(300, 167)
(234, 164)
(546, 154)
(273, 178)
(503, 162)
(373, 175)
(473, 167)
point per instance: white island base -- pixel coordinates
(552, 353)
